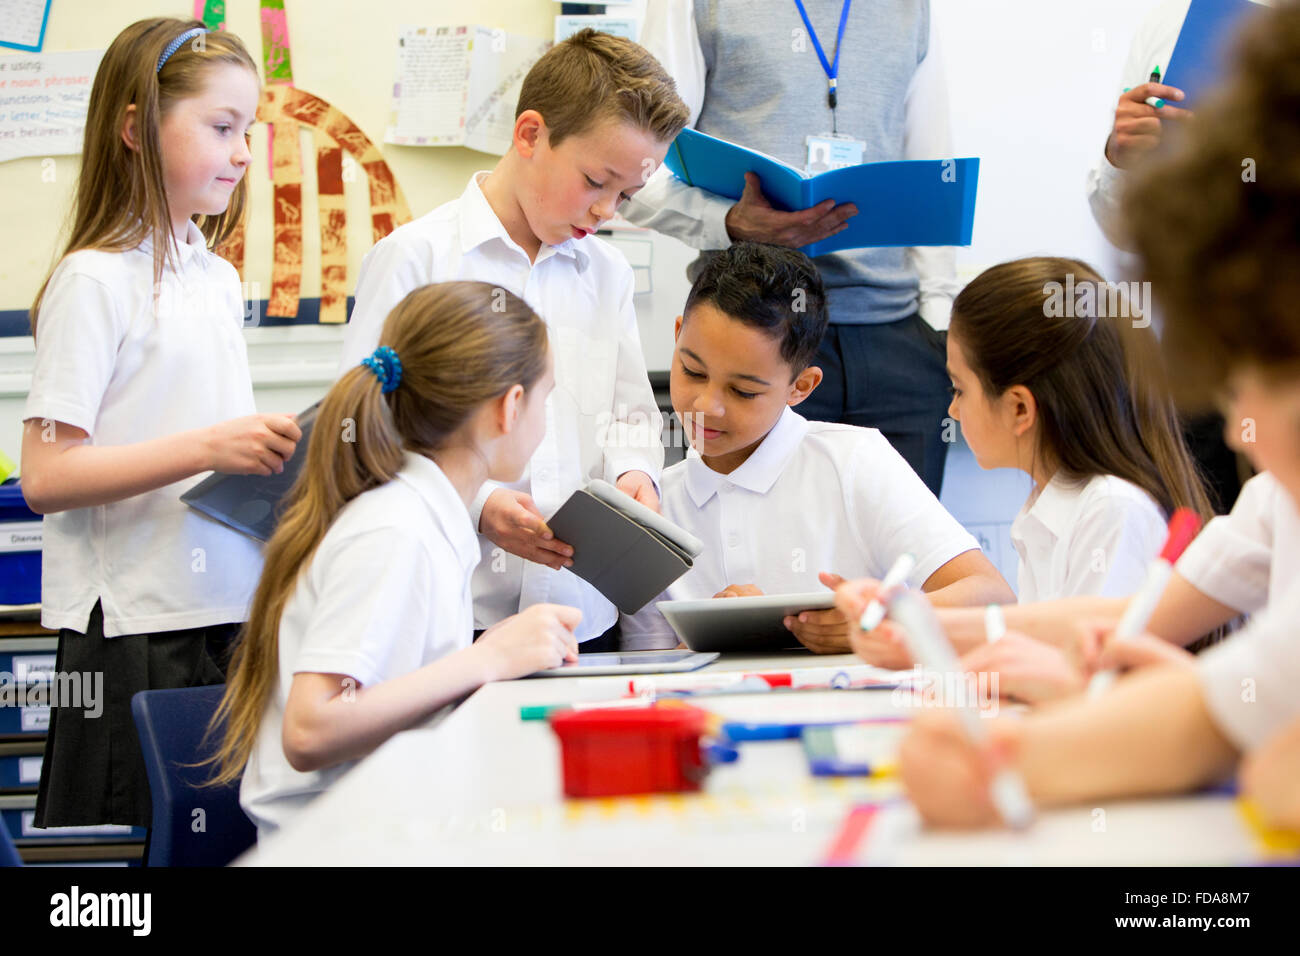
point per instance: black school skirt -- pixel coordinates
(93, 772)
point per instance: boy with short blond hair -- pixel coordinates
(595, 117)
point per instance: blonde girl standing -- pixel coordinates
(140, 386)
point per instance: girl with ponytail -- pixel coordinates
(1070, 389)
(362, 623)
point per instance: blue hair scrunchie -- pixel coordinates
(176, 45)
(386, 366)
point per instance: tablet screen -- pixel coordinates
(638, 657)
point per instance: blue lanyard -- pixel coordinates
(832, 69)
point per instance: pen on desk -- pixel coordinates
(874, 612)
(1183, 527)
(931, 649)
(1155, 78)
(995, 623)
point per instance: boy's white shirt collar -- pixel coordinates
(479, 223)
(760, 471)
(433, 485)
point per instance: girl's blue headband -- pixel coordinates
(176, 45)
(386, 366)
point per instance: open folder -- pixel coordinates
(251, 504)
(917, 202)
(624, 550)
(1198, 61)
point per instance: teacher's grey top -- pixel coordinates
(750, 74)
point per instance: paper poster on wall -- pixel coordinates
(43, 100)
(567, 26)
(458, 86)
(22, 24)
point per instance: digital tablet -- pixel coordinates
(741, 623)
(631, 662)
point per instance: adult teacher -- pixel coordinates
(1136, 131)
(788, 78)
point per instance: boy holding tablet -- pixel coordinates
(594, 118)
(777, 498)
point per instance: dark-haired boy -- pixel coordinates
(777, 498)
(595, 117)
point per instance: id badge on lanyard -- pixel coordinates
(833, 150)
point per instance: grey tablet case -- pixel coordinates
(251, 504)
(744, 624)
(627, 552)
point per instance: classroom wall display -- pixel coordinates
(567, 25)
(458, 86)
(22, 23)
(43, 100)
(286, 109)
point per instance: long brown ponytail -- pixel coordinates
(460, 344)
(1096, 374)
(121, 199)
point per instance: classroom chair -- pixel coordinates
(8, 852)
(171, 724)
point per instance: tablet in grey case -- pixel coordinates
(741, 623)
(251, 504)
(624, 550)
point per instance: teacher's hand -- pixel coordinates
(753, 217)
(1137, 129)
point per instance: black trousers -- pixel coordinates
(891, 376)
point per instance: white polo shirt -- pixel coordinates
(814, 496)
(1252, 680)
(126, 368)
(386, 592)
(601, 418)
(1242, 558)
(1091, 538)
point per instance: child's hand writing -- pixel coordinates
(946, 776)
(1145, 650)
(638, 485)
(881, 647)
(537, 638)
(1027, 670)
(511, 519)
(252, 445)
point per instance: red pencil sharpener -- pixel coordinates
(613, 752)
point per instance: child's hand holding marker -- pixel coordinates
(883, 645)
(895, 580)
(949, 778)
(960, 767)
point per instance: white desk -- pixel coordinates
(483, 787)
